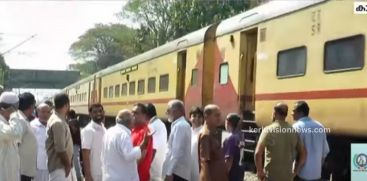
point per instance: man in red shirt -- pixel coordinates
(137, 134)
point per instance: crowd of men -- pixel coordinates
(47, 146)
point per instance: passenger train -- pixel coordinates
(279, 51)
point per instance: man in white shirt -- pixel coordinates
(312, 134)
(10, 132)
(28, 142)
(92, 141)
(196, 119)
(176, 166)
(159, 142)
(119, 157)
(39, 126)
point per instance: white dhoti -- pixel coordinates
(59, 175)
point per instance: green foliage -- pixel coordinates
(85, 68)
(166, 20)
(160, 21)
(3, 70)
(103, 46)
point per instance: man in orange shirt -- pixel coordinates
(137, 134)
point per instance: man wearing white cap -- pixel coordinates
(9, 133)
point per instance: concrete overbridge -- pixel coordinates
(39, 79)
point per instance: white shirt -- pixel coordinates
(41, 135)
(92, 139)
(119, 157)
(315, 144)
(160, 145)
(9, 157)
(178, 157)
(195, 154)
(27, 147)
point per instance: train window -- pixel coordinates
(151, 85)
(117, 90)
(344, 54)
(110, 92)
(124, 89)
(194, 76)
(163, 83)
(292, 62)
(141, 86)
(223, 74)
(105, 92)
(132, 88)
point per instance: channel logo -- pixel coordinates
(358, 162)
(360, 7)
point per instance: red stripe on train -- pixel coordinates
(319, 94)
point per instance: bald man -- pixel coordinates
(176, 166)
(211, 157)
(39, 128)
(119, 157)
(281, 144)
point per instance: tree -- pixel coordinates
(3, 70)
(85, 68)
(165, 20)
(102, 46)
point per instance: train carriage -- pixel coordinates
(279, 51)
(305, 50)
(79, 96)
(156, 76)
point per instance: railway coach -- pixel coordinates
(279, 51)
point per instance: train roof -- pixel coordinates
(269, 10)
(188, 40)
(251, 17)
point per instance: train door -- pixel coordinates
(247, 71)
(181, 69)
(93, 91)
(99, 90)
(247, 80)
(89, 93)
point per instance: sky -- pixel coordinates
(56, 25)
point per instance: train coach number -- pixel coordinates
(315, 22)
